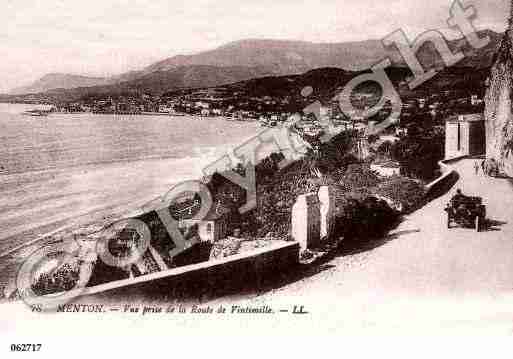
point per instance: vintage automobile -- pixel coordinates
(467, 212)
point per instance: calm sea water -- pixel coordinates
(67, 169)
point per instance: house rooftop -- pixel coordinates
(473, 117)
(387, 164)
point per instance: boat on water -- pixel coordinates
(36, 113)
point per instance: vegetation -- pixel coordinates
(359, 212)
(405, 191)
(418, 153)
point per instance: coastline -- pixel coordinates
(276, 194)
(43, 202)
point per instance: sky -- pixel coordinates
(108, 37)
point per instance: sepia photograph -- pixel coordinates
(242, 168)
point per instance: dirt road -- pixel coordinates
(423, 276)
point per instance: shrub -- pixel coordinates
(358, 177)
(333, 155)
(409, 193)
(419, 155)
(361, 218)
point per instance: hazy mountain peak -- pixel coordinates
(56, 80)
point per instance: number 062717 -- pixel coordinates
(26, 347)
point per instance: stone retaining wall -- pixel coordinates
(237, 272)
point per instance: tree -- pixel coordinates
(419, 154)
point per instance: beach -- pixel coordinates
(68, 170)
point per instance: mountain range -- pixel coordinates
(249, 59)
(57, 80)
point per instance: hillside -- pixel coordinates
(293, 57)
(193, 76)
(328, 82)
(56, 80)
(248, 59)
(498, 111)
(281, 57)
(158, 82)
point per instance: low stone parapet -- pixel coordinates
(234, 272)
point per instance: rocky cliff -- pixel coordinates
(498, 111)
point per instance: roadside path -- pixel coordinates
(424, 276)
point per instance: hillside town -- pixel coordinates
(426, 109)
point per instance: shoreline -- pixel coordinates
(156, 114)
(98, 170)
(57, 167)
(269, 223)
(38, 194)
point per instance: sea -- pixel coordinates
(69, 170)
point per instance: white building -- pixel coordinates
(386, 169)
(465, 136)
(475, 100)
(202, 104)
(212, 228)
(166, 109)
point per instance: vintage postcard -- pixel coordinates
(231, 168)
